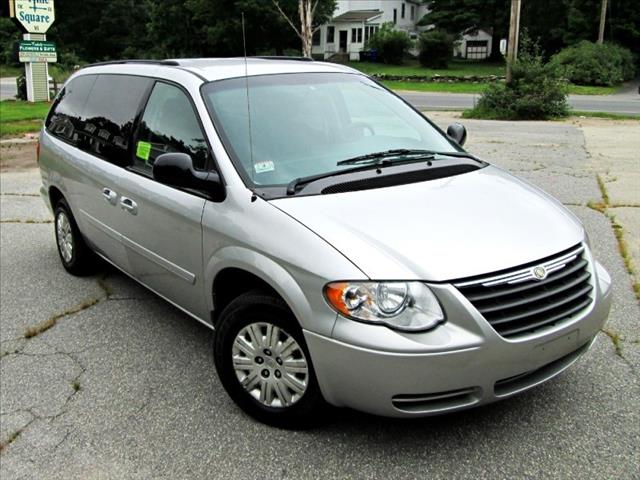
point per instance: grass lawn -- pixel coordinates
(457, 68)
(413, 68)
(462, 87)
(466, 87)
(10, 71)
(589, 90)
(17, 118)
(612, 116)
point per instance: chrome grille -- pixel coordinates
(516, 303)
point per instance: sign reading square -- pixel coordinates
(33, 16)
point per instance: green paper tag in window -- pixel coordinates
(143, 150)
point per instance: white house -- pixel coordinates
(354, 21)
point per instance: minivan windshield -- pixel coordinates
(299, 125)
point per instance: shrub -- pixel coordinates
(391, 44)
(435, 49)
(536, 92)
(588, 63)
(21, 84)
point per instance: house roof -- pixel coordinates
(358, 16)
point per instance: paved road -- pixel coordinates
(8, 88)
(122, 386)
(621, 104)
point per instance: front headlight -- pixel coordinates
(408, 306)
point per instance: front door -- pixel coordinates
(343, 41)
(163, 233)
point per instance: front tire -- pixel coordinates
(264, 364)
(76, 257)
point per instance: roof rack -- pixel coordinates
(284, 57)
(169, 63)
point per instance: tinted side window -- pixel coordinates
(64, 120)
(169, 124)
(109, 115)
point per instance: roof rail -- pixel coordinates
(284, 57)
(169, 63)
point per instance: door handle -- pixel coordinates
(129, 205)
(109, 195)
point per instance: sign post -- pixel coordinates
(35, 17)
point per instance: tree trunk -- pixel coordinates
(603, 16)
(306, 10)
(306, 26)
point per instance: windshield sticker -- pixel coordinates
(262, 167)
(143, 150)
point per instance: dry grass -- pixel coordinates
(9, 440)
(616, 339)
(618, 231)
(51, 321)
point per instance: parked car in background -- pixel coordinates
(343, 248)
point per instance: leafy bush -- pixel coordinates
(435, 49)
(391, 44)
(536, 92)
(588, 63)
(21, 84)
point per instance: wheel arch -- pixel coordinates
(55, 195)
(232, 265)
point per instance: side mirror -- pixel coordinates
(176, 170)
(457, 132)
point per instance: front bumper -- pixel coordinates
(461, 364)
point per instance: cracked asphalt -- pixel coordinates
(118, 384)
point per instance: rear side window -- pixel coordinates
(109, 115)
(64, 121)
(169, 124)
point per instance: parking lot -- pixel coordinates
(113, 382)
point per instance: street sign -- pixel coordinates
(33, 16)
(37, 51)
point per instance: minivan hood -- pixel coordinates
(451, 228)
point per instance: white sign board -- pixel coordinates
(35, 16)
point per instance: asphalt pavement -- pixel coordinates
(8, 88)
(122, 385)
(626, 103)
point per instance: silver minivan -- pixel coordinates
(344, 249)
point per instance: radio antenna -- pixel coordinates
(246, 84)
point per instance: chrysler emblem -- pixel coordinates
(540, 273)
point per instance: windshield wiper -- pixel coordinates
(381, 158)
(375, 160)
(296, 182)
(366, 165)
(377, 156)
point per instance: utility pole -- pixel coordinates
(603, 16)
(514, 32)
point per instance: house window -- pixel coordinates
(395, 15)
(331, 32)
(413, 12)
(353, 35)
(315, 40)
(369, 31)
(402, 11)
(359, 35)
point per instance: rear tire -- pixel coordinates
(264, 364)
(76, 257)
